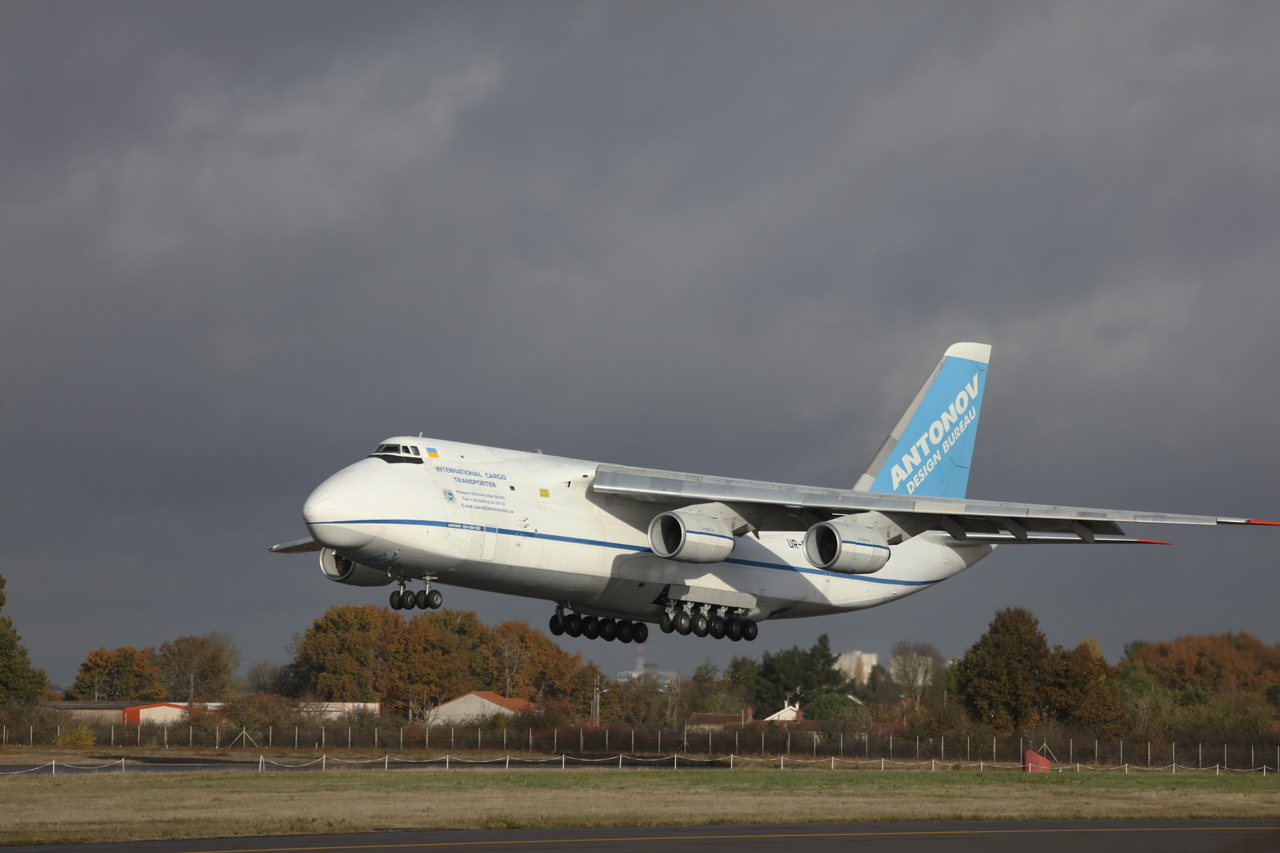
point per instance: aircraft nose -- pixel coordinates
(333, 512)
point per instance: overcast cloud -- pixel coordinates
(242, 242)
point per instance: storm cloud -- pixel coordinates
(240, 243)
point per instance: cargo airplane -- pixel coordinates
(615, 548)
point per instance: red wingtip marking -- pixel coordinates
(1272, 523)
(1153, 542)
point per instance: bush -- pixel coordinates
(81, 735)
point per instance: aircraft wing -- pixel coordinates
(965, 520)
(297, 546)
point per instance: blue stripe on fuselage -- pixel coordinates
(786, 567)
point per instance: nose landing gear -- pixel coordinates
(423, 599)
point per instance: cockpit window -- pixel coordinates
(397, 453)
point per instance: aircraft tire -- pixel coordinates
(557, 625)
(608, 630)
(434, 599)
(421, 600)
(701, 625)
(639, 632)
(666, 624)
(750, 630)
(625, 632)
(573, 625)
(684, 623)
(591, 627)
(395, 600)
(717, 628)
(408, 601)
(733, 629)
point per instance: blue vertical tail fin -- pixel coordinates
(929, 452)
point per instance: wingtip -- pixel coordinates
(1152, 542)
(1260, 521)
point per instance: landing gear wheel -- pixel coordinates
(749, 630)
(557, 625)
(407, 600)
(591, 627)
(608, 630)
(434, 599)
(395, 600)
(684, 622)
(717, 627)
(573, 625)
(666, 623)
(421, 599)
(701, 625)
(639, 632)
(733, 629)
(625, 632)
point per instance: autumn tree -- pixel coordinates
(1002, 675)
(1079, 692)
(126, 674)
(366, 653)
(19, 680)
(1217, 664)
(334, 659)
(205, 664)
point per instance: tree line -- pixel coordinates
(1010, 679)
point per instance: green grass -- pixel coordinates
(141, 806)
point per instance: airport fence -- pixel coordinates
(767, 744)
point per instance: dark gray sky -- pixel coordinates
(242, 242)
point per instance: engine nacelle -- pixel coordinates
(338, 568)
(842, 546)
(690, 538)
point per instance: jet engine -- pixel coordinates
(338, 568)
(845, 547)
(690, 537)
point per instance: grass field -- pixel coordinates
(226, 803)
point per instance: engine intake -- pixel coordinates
(338, 568)
(690, 538)
(841, 546)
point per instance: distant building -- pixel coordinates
(164, 713)
(789, 713)
(720, 722)
(857, 666)
(643, 669)
(477, 706)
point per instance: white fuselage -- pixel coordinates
(529, 524)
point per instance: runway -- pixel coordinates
(922, 837)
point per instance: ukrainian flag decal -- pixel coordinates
(431, 451)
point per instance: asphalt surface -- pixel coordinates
(934, 837)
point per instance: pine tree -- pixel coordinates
(19, 680)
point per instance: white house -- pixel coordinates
(476, 706)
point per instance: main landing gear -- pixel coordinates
(702, 621)
(603, 627)
(423, 599)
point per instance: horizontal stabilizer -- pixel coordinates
(298, 546)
